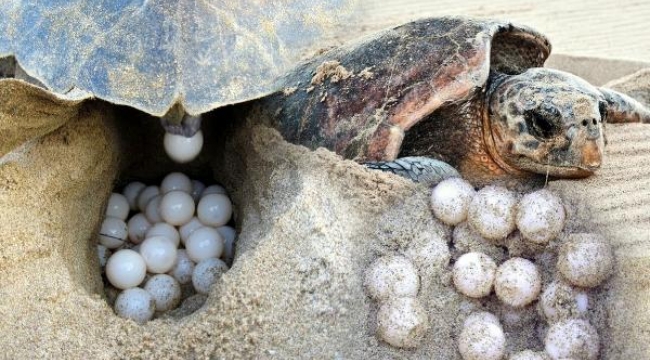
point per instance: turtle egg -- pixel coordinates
(517, 282)
(103, 253)
(473, 274)
(481, 338)
(135, 304)
(561, 301)
(572, 338)
(131, 192)
(585, 259)
(152, 210)
(158, 253)
(125, 269)
(138, 226)
(183, 149)
(450, 200)
(183, 267)
(177, 207)
(113, 232)
(204, 243)
(214, 189)
(118, 206)
(540, 216)
(206, 273)
(147, 194)
(492, 212)
(214, 210)
(176, 181)
(228, 235)
(528, 355)
(392, 276)
(197, 189)
(165, 291)
(166, 230)
(188, 228)
(402, 322)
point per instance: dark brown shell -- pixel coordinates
(359, 100)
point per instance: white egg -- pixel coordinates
(103, 254)
(125, 269)
(177, 207)
(135, 304)
(481, 338)
(474, 274)
(158, 253)
(166, 230)
(214, 210)
(585, 259)
(228, 234)
(540, 216)
(492, 212)
(206, 273)
(176, 181)
(188, 228)
(204, 243)
(152, 210)
(165, 291)
(572, 338)
(517, 282)
(392, 276)
(197, 189)
(450, 200)
(183, 267)
(131, 192)
(214, 189)
(138, 226)
(528, 355)
(113, 232)
(561, 301)
(147, 194)
(402, 322)
(183, 149)
(118, 206)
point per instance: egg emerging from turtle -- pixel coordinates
(183, 149)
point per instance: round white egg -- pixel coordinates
(125, 269)
(135, 304)
(166, 230)
(183, 149)
(158, 253)
(138, 226)
(572, 339)
(176, 181)
(392, 276)
(206, 273)
(560, 301)
(540, 216)
(402, 322)
(214, 210)
(450, 200)
(177, 207)
(131, 192)
(147, 194)
(197, 189)
(165, 291)
(113, 232)
(517, 282)
(117, 206)
(528, 355)
(474, 274)
(188, 228)
(152, 210)
(204, 243)
(183, 267)
(585, 259)
(481, 338)
(228, 234)
(492, 212)
(214, 189)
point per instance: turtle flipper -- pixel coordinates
(621, 108)
(420, 169)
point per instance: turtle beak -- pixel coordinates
(592, 155)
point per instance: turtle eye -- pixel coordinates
(602, 108)
(541, 126)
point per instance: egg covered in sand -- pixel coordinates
(492, 212)
(402, 322)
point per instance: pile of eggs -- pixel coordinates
(177, 243)
(486, 222)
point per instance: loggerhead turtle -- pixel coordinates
(471, 93)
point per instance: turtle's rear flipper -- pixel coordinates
(621, 108)
(417, 168)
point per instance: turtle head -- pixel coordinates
(547, 122)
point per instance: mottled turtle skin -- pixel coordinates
(472, 93)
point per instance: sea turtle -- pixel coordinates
(472, 93)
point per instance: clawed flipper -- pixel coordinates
(420, 169)
(178, 122)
